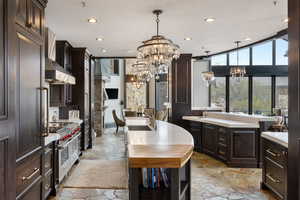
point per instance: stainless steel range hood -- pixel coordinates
(55, 74)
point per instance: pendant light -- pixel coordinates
(208, 76)
(158, 52)
(237, 72)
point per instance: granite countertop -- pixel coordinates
(221, 122)
(278, 137)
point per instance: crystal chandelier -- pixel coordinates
(237, 72)
(142, 71)
(158, 52)
(208, 76)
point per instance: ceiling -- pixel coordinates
(124, 24)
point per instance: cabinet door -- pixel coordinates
(22, 12)
(209, 139)
(195, 129)
(36, 16)
(29, 81)
(243, 144)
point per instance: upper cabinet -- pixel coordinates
(30, 15)
(64, 54)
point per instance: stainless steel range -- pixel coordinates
(68, 149)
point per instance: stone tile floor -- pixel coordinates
(211, 179)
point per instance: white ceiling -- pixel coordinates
(124, 24)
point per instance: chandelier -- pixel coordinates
(143, 72)
(158, 52)
(237, 72)
(208, 76)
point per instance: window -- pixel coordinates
(262, 94)
(244, 57)
(219, 60)
(281, 52)
(218, 93)
(281, 92)
(238, 95)
(262, 54)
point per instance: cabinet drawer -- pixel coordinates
(275, 152)
(28, 171)
(48, 183)
(33, 193)
(275, 177)
(222, 136)
(222, 152)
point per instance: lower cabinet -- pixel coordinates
(274, 176)
(234, 146)
(195, 129)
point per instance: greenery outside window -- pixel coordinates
(262, 95)
(218, 93)
(281, 97)
(238, 95)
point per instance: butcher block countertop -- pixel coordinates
(167, 146)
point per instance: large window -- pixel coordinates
(219, 60)
(238, 95)
(244, 57)
(281, 52)
(262, 94)
(281, 93)
(263, 54)
(218, 93)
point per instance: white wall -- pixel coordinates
(200, 90)
(114, 104)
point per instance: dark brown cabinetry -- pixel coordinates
(196, 129)
(234, 146)
(61, 95)
(81, 94)
(29, 48)
(274, 175)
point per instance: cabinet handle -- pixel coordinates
(35, 171)
(274, 180)
(45, 131)
(272, 153)
(221, 139)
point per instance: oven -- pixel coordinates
(68, 154)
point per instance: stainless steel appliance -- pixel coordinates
(68, 149)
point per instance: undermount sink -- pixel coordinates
(139, 128)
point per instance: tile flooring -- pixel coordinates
(211, 179)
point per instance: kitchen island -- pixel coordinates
(229, 137)
(169, 147)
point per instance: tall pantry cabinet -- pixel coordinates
(80, 91)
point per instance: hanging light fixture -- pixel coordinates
(141, 70)
(208, 76)
(158, 52)
(237, 72)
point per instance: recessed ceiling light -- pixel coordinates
(209, 19)
(104, 51)
(99, 39)
(248, 39)
(286, 20)
(188, 39)
(92, 20)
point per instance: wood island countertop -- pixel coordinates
(169, 146)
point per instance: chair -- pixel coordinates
(119, 123)
(162, 115)
(149, 112)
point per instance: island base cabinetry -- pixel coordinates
(274, 176)
(237, 147)
(179, 185)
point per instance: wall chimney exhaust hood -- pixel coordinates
(55, 74)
